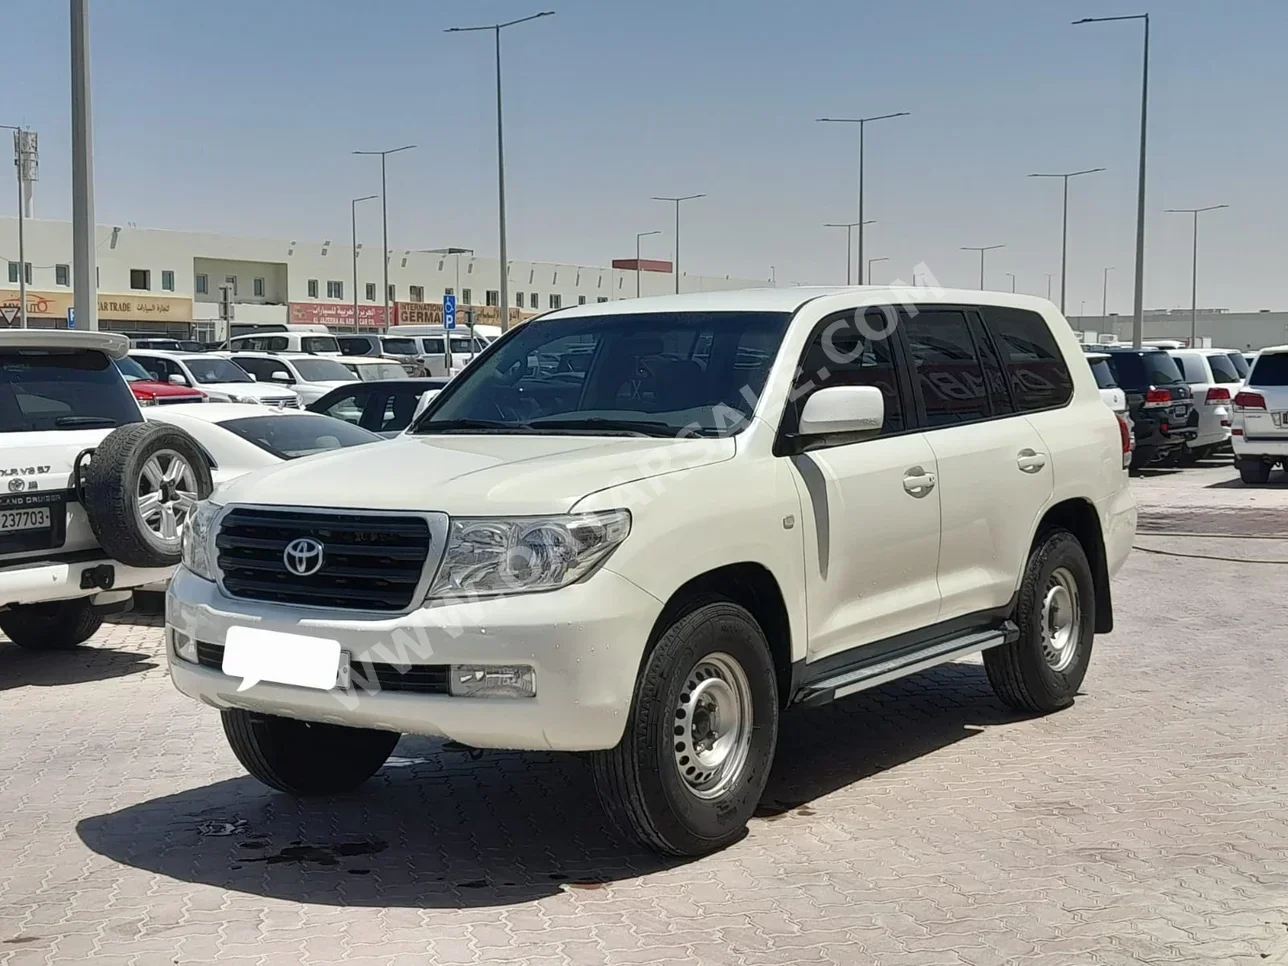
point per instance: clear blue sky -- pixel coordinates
(238, 117)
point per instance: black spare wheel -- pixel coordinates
(141, 486)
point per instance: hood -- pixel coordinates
(472, 475)
(253, 389)
(148, 388)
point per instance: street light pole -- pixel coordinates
(496, 28)
(1194, 268)
(1064, 226)
(862, 123)
(1011, 275)
(84, 251)
(676, 202)
(1049, 275)
(384, 218)
(638, 236)
(883, 258)
(849, 226)
(1104, 294)
(353, 213)
(1138, 320)
(981, 250)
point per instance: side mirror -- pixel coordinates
(841, 414)
(283, 377)
(177, 380)
(253, 377)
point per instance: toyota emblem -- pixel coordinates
(303, 556)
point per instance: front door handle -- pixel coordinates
(1030, 461)
(917, 482)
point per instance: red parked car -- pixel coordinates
(148, 392)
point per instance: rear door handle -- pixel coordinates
(1030, 461)
(918, 482)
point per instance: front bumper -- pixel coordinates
(36, 581)
(585, 643)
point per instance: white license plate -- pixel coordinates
(1179, 410)
(255, 655)
(33, 518)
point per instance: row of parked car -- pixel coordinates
(1190, 403)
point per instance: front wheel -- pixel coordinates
(1043, 668)
(55, 626)
(693, 762)
(305, 758)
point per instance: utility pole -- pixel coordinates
(1104, 294)
(849, 227)
(1064, 227)
(1194, 268)
(638, 236)
(84, 252)
(384, 220)
(676, 202)
(353, 211)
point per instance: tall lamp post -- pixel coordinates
(638, 236)
(871, 262)
(1064, 229)
(862, 122)
(676, 202)
(353, 212)
(981, 250)
(496, 28)
(1194, 270)
(1049, 276)
(1138, 315)
(384, 219)
(1011, 276)
(1104, 293)
(849, 227)
(457, 252)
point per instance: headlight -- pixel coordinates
(241, 399)
(489, 556)
(146, 400)
(196, 543)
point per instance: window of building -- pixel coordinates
(313, 288)
(532, 274)
(948, 368)
(556, 302)
(141, 279)
(840, 355)
(465, 296)
(493, 296)
(62, 275)
(602, 298)
(555, 280)
(371, 291)
(201, 284)
(257, 287)
(13, 273)
(449, 291)
(335, 290)
(534, 300)
(231, 282)
(581, 300)
(393, 293)
(167, 281)
(1035, 369)
(417, 293)
(518, 299)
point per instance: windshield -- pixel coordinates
(654, 374)
(400, 347)
(381, 370)
(1103, 373)
(132, 371)
(52, 389)
(358, 345)
(215, 369)
(465, 346)
(1240, 363)
(1224, 370)
(319, 343)
(322, 370)
(1270, 370)
(1162, 369)
(290, 437)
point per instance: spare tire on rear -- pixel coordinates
(141, 485)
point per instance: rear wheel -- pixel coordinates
(303, 757)
(693, 762)
(1253, 469)
(55, 626)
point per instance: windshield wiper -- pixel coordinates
(615, 427)
(470, 425)
(84, 421)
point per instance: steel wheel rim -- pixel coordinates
(1061, 620)
(166, 496)
(713, 726)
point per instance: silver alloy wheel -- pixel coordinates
(167, 495)
(1061, 620)
(713, 726)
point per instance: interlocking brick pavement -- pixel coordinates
(921, 823)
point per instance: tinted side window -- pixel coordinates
(842, 356)
(948, 369)
(999, 394)
(276, 343)
(1034, 366)
(1270, 370)
(1223, 370)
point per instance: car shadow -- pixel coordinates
(148, 610)
(443, 827)
(22, 668)
(1277, 480)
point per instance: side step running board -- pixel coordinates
(861, 675)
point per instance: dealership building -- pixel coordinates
(174, 282)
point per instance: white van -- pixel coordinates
(423, 347)
(297, 338)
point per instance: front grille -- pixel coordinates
(413, 679)
(369, 562)
(173, 400)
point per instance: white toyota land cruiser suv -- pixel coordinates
(645, 530)
(93, 497)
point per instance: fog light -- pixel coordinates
(492, 681)
(185, 647)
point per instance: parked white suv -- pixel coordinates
(643, 530)
(1214, 376)
(217, 376)
(309, 376)
(94, 498)
(1261, 417)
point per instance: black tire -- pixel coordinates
(112, 486)
(305, 758)
(1254, 469)
(55, 626)
(640, 782)
(1019, 672)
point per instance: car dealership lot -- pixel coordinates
(919, 822)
